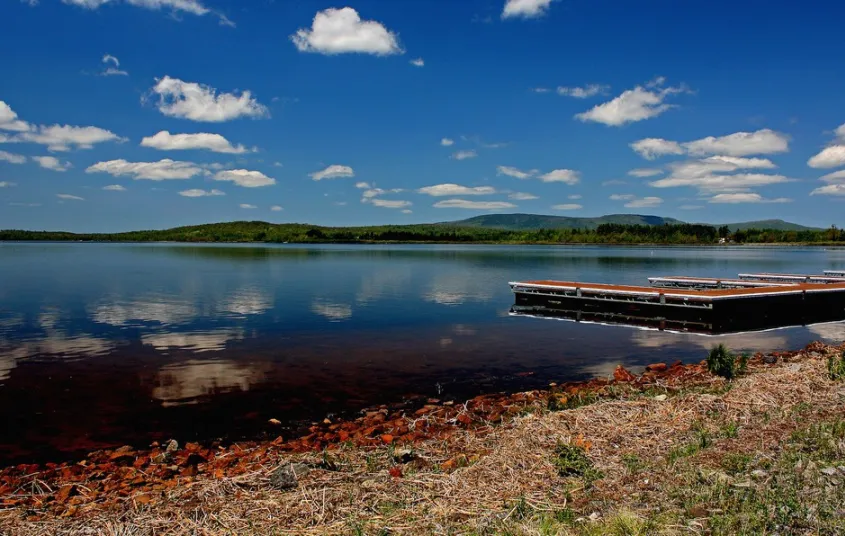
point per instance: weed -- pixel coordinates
(632, 463)
(721, 362)
(572, 460)
(730, 430)
(836, 367)
(742, 366)
(560, 402)
(736, 463)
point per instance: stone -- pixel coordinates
(661, 398)
(829, 471)
(770, 359)
(621, 374)
(275, 422)
(657, 367)
(172, 446)
(284, 478)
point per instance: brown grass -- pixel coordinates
(473, 483)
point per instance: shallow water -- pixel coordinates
(109, 344)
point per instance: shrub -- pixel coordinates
(721, 362)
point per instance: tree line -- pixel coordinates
(438, 233)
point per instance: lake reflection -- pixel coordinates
(102, 345)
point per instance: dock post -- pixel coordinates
(662, 299)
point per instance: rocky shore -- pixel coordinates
(495, 461)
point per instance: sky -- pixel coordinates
(146, 114)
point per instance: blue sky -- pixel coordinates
(130, 114)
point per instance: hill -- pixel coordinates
(529, 222)
(524, 222)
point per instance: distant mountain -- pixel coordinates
(778, 225)
(524, 222)
(527, 222)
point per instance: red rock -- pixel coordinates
(464, 419)
(621, 374)
(387, 439)
(657, 367)
(395, 471)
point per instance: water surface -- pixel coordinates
(109, 344)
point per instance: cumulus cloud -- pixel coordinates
(568, 206)
(439, 190)
(372, 192)
(645, 172)
(514, 172)
(633, 105)
(446, 142)
(522, 196)
(463, 155)
(9, 119)
(12, 158)
(418, 62)
(276, 208)
(764, 141)
(473, 205)
(721, 182)
(340, 31)
(566, 176)
(526, 9)
(64, 137)
(114, 188)
(745, 197)
(196, 192)
(334, 171)
(622, 197)
(52, 163)
(247, 205)
(198, 102)
(644, 202)
(574, 196)
(245, 178)
(165, 141)
(590, 90)
(833, 156)
(651, 148)
(193, 7)
(389, 203)
(836, 176)
(830, 189)
(70, 197)
(155, 171)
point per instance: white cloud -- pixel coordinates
(439, 190)
(70, 197)
(582, 92)
(840, 132)
(276, 208)
(633, 105)
(114, 188)
(764, 141)
(6, 184)
(645, 172)
(651, 148)
(721, 182)
(463, 155)
(644, 202)
(574, 196)
(830, 189)
(155, 171)
(390, 203)
(446, 142)
(9, 119)
(525, 8)
(622, 197)
(247, 179)
(568, 206)
(836, 176)
(166, 141)
(113, 67)
(333, 172)
(340, 31)
(111, 71)
(247, 206)
(363, 185)
(833, 156)
(193, 7)
(514, 172)
(278, 164)
(407, 211)
(66, 137)
(418, 62)
(566, 176)
(196, 192)
(52, 163)
(473, 205)
(522, 196)
(198, 102)
(748, 197)
(108, 58)
(12, 158)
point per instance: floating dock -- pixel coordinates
(835, 273)
(690, 303)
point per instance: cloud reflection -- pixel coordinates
(162, 310)
(764, 340)
(335, 312)
(247, 302)
(197, 342)
(455, 289)
(186, 383)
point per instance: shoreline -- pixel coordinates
(128, 482)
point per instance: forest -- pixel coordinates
(257, 231)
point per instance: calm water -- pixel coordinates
(103, 345)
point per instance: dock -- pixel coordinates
(835, 273)
(714, 305)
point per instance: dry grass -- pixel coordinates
(504, 481)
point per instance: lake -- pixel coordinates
(109, 344)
